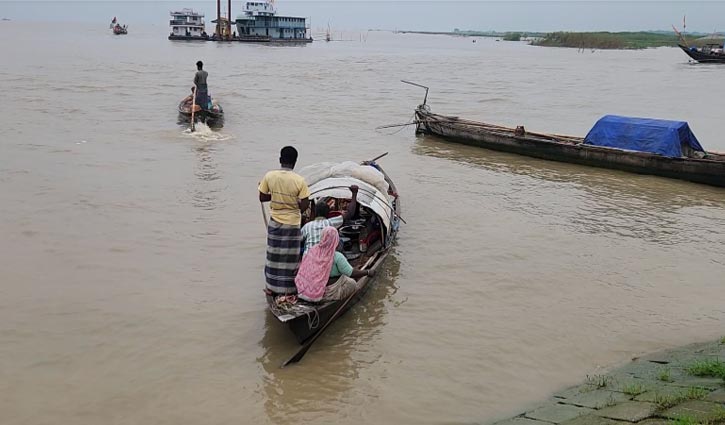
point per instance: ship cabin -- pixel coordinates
(187, 24)
(260, 20)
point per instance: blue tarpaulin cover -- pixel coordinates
(642, 134)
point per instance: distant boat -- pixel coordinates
(709, 53)
(120, 30)
(710, 49)
(213, 117)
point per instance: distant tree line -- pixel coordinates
(607, 40)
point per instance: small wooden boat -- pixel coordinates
(706, 54)
(379, 210)
(693, 165)
(213, 117)
(118, 29)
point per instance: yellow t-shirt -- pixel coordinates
(286, 188)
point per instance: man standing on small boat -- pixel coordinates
(202, 91)
(288, 195)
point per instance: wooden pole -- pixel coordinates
(229, 19)
(218, 18)
(193, 109)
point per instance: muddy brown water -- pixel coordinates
(131, 251)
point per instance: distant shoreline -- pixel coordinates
(579, 40)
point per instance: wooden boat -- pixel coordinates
(120, 30)
(213, 117)
(707, 54)
(379, 209)
(700, 167)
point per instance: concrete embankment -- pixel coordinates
(683, 386)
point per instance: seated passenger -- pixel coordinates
(325, 274)
(187, 102)
(312, 231)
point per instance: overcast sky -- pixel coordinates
(440, 15)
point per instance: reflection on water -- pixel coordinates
(594, 200)
(330, 370)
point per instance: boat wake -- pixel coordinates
(204, 133)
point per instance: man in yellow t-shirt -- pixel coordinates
(288, 195)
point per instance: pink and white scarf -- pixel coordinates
(316, 265)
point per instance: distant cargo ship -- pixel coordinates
(187, 24)
(259, 22)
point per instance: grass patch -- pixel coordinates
(718, 416)
(722, 340)
(634, 389)
(665, 375)
(684, 420)
(695, 393)
(669, 400)
(598, 381)
(666, 401)
(712, 367)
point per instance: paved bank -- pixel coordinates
(683, 386)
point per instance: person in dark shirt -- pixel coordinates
(202, 91)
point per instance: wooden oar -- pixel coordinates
(303, 350)
(193, 108)
(376, 158)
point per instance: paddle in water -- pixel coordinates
(193, 108)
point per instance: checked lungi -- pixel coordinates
(284, 243)
(202, 98)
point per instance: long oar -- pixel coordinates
(303, 350)
(193, 108)
(376, 158)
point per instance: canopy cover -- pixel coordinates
(332, 179)
(661, 137)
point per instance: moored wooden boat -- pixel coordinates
(379, 209)
(213, 117)
(700, 167)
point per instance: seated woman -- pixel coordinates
(325, 274)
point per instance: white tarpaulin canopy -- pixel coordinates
(334, 180)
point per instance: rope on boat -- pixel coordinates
(413, 121)
(313, 320)
(297, 309)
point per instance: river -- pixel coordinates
(132, 250)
